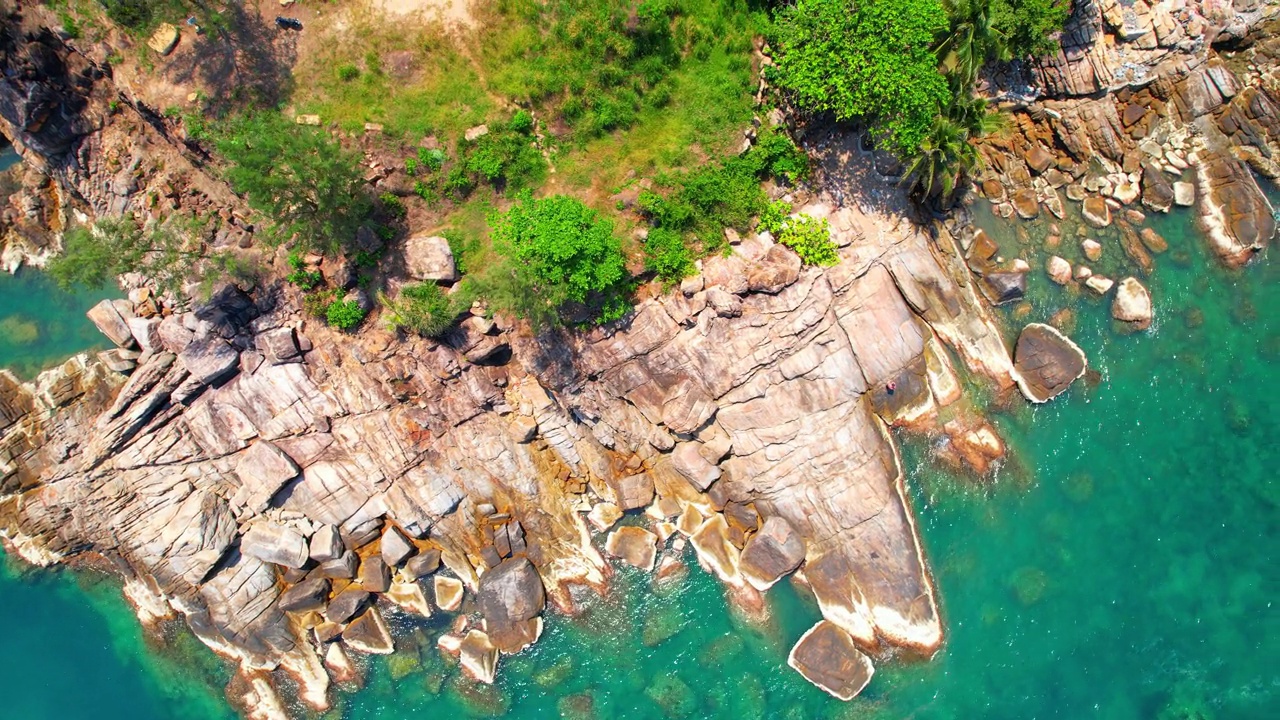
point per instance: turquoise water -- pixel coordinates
(1122, 566)
(40, 326)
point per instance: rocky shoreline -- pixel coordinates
(282, 487)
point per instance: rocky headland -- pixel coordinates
(283, 487)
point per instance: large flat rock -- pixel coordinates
(827, 657)
(1047, 362)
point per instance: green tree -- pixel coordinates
(667, 256)
(298, 176)
(166, 253)
(874, 60)
(560, 252)
(1028, 25)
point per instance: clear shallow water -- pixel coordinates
(1122, 567)
(41, 326)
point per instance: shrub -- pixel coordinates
(505, 157)
(774, 216)
(561, 252)
(344, 314)
(463, 248)
(667, 256)
(521, 122)
(316, 303)
(392, 205)
(780, 156)
(300, 275)
(132, 14)
(810, 238)
(431, 157)
(874, 60)
(422, 308)
(347, 72)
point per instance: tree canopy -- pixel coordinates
(560, 252)
(94, 255)
(1028, 24)
(298, 176)
(873, 60)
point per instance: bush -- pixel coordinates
(392, 205)
(300, 275)
(561, 252)
(505, 157)
(874, 60)
(1028, 24)
(316, 302)
(347, 72)
(422, 308)
(132, 14)
(463, 248)
(774, 216)
(667, 256)
(344, 314)
(521, 122)
(810, 238)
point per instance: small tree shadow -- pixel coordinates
(244, 59)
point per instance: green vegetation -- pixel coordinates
(667, 256)
(559, 253)
(506, 156)
(301, 178)
(422, 308)
(300, 275)
(1027, 25)
(93, 256)
(807, 235)
(344, 314)
(874, 60)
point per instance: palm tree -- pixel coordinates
(974, 41)
(947, 156)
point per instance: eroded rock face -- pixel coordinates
(772, 553)
(1047, 362)
(1235, 213)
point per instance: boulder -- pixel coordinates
(423, 564)
(687, 406)
(827, 657)
(1152, 239)
(1026, 203)
(1004, 287)
(695, 468)
(1184, 194)
(429, 258)
(146, 331)
(1132, 304)
(119, 360)
(1039, 159)
(164, 39)
(305, 596)
(778, 269)
(774, 551)
(1059, 270)
(448, 592)
(375, 576)
(342, 567)
(274, 543)
(396, 548)
(478, 656)
(369, 634)
(326, 544)
(633, 545)
(347, 603)
(1092, 249)
(109, 320)
(1157, 192)
(604, 515)
(1095, 212)
(511, 597)
(1099, 284)
(634, 491)
(1047, 362)
(209, 360)
(174, 336)
(1237, 217)
(280, 345)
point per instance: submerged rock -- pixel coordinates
(1047, 362)
(827, 657)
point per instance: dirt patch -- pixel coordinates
(449, 12)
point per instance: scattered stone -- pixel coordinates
(604, 515)
(478, 656)
(1005, 287)
(110, 321)
(1096, 212)
(1047, 362)
(1132, 304)
(1083, 272)
(1059, 270)
(308, 119)
(1092, 249)
(1099, 284)
(448, 592)
(347, 603)
(1152, 239)
(634, 545)
(827, 657)
(342, 567)
(119, 360)
(422, 564)
(475, 133)
(1025, 203)
(369, 634)
(396, 548)
(326, 544)
(375, 576)
(1039, 159)
(771, 553)
(305, 596)
(1184, 194)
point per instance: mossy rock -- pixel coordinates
(15, 330)
(721, 649)
(662, 625)
(1029, 585)
(403, 664)
(672, 695)
(478, 699)
(579, 706)
(1079, 487)
(556, 673)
